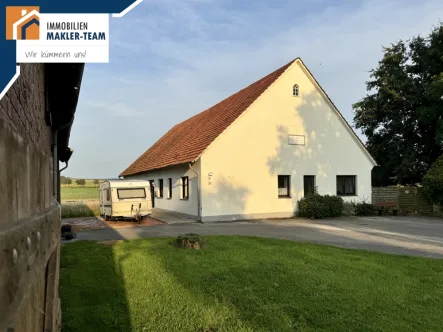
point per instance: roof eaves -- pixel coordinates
(156, 168)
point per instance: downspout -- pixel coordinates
(66, 163)
(199, 219)
(55, 171)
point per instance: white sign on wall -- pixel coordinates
(296, 139)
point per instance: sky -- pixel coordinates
(172, 59)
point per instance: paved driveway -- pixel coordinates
(415, 236)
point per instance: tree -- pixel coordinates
(433, 182)
(65, 180)
(80, 182)
(402, 118)
(96, 182)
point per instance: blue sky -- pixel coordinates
(171, 59)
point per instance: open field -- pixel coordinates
(79, 193)
(76, 209)
(246, 284)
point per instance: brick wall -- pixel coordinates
(25, 147)
(24, 107)
(29, 219)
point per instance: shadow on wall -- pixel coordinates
(226, 199)
(325, 137)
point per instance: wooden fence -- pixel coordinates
(408, 199)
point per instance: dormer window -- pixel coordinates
(295, 90)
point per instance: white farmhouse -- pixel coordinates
(257, 153)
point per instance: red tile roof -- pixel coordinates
(186, 141)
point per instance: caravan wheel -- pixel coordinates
(106, 218)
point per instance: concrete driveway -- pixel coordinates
(416, 236)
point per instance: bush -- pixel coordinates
(335, 205)
(348, 209)
(364, 209)
(433, 182)
(319, 207)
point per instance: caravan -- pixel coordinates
(125, 199)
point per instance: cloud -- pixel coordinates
(117, 109)
(171, 59)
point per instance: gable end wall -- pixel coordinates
(239, 170)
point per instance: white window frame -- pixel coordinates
(182, 196)
(170, 184)
(161, 188)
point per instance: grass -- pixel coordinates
(246, 284)
(69, 193)
(79, 209)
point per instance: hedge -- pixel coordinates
(433, 182)
(319, 207)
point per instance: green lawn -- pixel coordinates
(246, 284)
(75, 193)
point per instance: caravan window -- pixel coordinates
(131, 193)
(108, 194)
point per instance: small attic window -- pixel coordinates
(295, 90)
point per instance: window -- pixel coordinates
(309, 184)
(295, 90)
(131, 193)
(169, 188)
(160, 188)
(185, 187)
(284, 188)
(346, 185)
(108, 194)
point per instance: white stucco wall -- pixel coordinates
(189, 206)
(247, 158)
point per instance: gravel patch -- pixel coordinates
(90, 223)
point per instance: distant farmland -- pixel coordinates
(74, 192)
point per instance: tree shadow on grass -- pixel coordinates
(303, 287)
(92, 291)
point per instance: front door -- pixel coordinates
(151, 182)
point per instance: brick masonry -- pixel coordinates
(24, 107)
(29, 218)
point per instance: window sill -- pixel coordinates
(169, 198)
(184, 199)
(284, 197)
(349, 195)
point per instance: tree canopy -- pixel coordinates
(433, 182)
(65, 180)
(80, 182)
(402, 114)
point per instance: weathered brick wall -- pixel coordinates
(29, 219)
(25, 147)
(24, 107)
